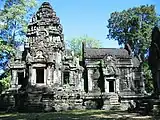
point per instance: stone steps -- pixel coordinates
(111, 102)
(114, 99)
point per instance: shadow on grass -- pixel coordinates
(68, 115)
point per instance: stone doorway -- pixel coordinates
(20, 78)
(66, 77)
(39, 75)
(111, 86)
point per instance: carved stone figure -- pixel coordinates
(39, 54)
(95, 77)
(109, 67)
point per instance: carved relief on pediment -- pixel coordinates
(39, 54)
(108, 70)
(109, 67)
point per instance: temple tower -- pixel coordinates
(44, 47)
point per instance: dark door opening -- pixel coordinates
(66, 77)
(111, 86)
(20, 78)
(40, 75)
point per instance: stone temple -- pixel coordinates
(48, 77)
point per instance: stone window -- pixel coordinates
(66, 77)
(111, 86)
(40, 75)
(20, 77)
(137, 83)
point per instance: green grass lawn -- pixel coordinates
(75, 115)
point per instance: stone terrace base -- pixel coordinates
(44, 99)
(40, 101)
(65, 100)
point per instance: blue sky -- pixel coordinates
(89, 17)
(80, 17)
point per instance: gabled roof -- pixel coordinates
(95, 53)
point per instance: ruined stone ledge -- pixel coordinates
(17, 66)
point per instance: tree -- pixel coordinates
(75, 44)
(14, 17)
(148, 75)
(134, 26)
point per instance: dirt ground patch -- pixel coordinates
(77, 115)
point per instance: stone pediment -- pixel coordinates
(109, 66)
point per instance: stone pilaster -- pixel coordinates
(14, 79)
(33, 76)
(55, 76)
(90, 80)
(71, 78)
(106, 86)
(45, 76)
(52, 81)
(117, 85)
(30, 74)
(49, 75)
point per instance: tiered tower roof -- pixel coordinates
(45, 17)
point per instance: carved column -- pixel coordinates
(71, 78)
(117, 85)
(55, 76)
(53, 69)
(79, 76)
(59, 76)
(30, 74)
(14, 80)
(49, 75)
(106, 85)
(89, 80)
(58, 71)
(81, 83)
(128, 78)
(33, 76)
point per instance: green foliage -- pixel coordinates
(14, 17)
(13, 24)
(133, 26)
(75, 44)
(148, 76)
(5, 83)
